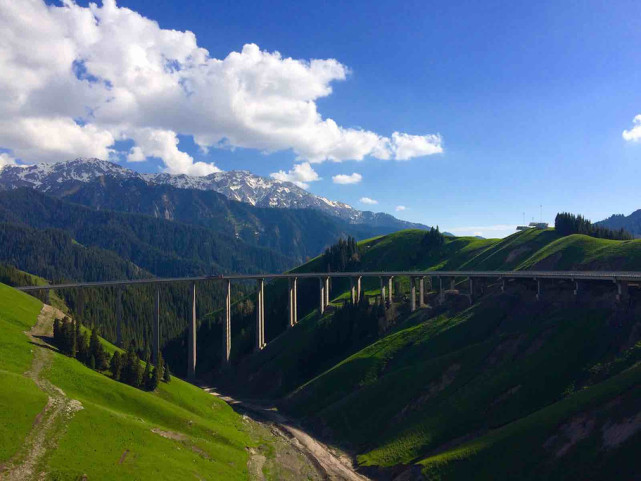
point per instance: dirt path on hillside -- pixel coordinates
(51, 422)
(329, 465)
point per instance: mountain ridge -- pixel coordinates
(240, 185)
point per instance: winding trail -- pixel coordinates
(52, 421)
(329, 465)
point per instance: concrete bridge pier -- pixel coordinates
(155, 331)
(623, 291)
(352, 290)
(359, 288)
(390, 289)
(260, 315)
(503, 284)
(452, 283)
(412, 294)
(382, 289)
(577, 289)
(441, 292)
(322, 295)
(539, 289)
(227, 325)
(421, 292)
(472, 292)
(327, 284)
(191, 346)
(293, 301)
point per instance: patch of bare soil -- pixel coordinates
(50, 424)
(169, 434)
(616, 433)
(432, 389)
(570, 433)
(255, 465)
(512, 256)
(328, 464)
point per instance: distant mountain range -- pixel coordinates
(630, 223)
(58, 179)
(260, 212)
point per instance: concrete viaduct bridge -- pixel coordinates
(621, 280)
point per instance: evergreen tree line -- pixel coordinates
(433, 238)
(73, 341)
(342, 256)
(566, 223)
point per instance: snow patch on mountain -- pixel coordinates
(239, 185)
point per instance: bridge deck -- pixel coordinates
(630, 276)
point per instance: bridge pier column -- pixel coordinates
(48, 296)
(119, 316)
(471, 281)
(452, 283)
(155, 334)
(359, 288)
(412, 294)
(503, 284)
(352, 290)
(382, 290)
(293, 299)
(327, 283)
(390, 289)
(227, 325)
(260, 315)
(623, 292)
(441, 293)
(421, 292)
(191, 347)
(539, 289)
(322, 295)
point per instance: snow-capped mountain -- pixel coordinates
(240, 185)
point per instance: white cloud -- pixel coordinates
(634, 134)
(6, 159)
(407, 146)
(74, 79)
(400, 208)
(368, 201)
(354, 178)
(300, 175)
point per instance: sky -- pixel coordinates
(473, 116)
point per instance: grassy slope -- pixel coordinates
(116, 418)
(20, 398)
(501, 372)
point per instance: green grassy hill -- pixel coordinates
(506, 388)
(59, 417)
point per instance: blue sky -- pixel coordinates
(530, 100)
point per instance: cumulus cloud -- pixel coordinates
(634, 134)
(6, 159)
(74, 80)
(354, 178)
(400, 208)
(405, 146)
(300, 175)
(368, 201)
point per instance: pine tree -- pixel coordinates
(115, 366)
(56, 331)
(97, 351)
(92, 362)
(153, 382)
(83, 348)
(166, 374)
(146, 376)
(74, 339)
